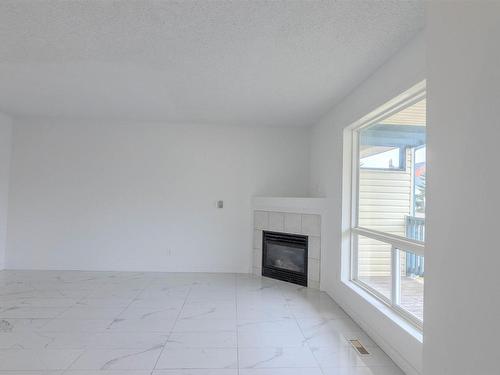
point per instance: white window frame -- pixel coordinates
(350, 206)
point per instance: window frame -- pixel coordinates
(351, 205)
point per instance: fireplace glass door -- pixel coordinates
(284, 257)
(287, 257)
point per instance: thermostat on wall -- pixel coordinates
(220, 204)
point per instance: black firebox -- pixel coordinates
(284, 257)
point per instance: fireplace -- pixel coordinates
(284, 257)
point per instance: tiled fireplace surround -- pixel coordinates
(289, 215)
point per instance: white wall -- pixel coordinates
(398, 74)
(462, 290)
(99, 196)
(5, 154)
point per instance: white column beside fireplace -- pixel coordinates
(290, 215)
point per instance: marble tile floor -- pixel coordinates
(87, 323)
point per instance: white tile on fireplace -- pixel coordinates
(261, 219)
(312, 284)
(276, 221)
(314, 247)
(311, 225)
(257, 239)
(257, 257)
(257, 270)
(313, 269)
(293, 223)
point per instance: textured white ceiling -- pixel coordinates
(221, 62)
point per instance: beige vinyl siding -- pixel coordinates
(384, 201)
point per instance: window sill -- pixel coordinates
(386, 310)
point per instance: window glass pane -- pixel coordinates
(412, 283)
(392, 197)
(419, 183)
(374, 264)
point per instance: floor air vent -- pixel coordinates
(359, 347)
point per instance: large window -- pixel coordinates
(387, 190)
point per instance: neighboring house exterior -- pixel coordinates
(385, 198)
(391, 188)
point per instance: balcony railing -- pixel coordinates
(415, 229)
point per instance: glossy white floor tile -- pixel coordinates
(109, 323)
(38, 359)
(198, 358)
(118, 359)
(282, 371)
(197, 372)
(278, 357)
(215, 339)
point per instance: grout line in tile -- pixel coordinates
(124, 309)
(173, 327)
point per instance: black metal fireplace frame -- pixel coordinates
(293, 240)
